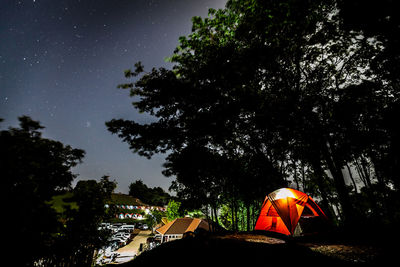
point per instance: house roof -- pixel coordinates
(193, 225)
(163, 229)
(181, 226)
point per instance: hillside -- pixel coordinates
(59, 202)
(118, 199)
(245, 249)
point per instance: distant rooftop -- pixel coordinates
(182, 225)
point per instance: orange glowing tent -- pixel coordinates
(283, 208)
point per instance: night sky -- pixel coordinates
(61, 61)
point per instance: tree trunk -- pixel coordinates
(248, 217)
(340, 185)
(212, 217)
(233, 214)
(216, 217)
(352, 179)
(303, 176)
(366, 182)
(207, 217)
(366, 169)
(295, 175)
(319, 173)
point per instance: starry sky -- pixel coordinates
(61, 61)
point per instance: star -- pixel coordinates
(72, 54)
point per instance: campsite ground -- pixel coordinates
(336, 249)
(250, 248)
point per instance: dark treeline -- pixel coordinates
(266, 94)
(34, 170)
(149, 195)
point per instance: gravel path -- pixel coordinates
(133, 246)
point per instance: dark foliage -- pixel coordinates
(151, 196)
(265, 94)
(34, 170)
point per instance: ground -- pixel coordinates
(349, 252)
(128, 252)
(250, 248)
(133, 247)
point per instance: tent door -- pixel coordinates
(298, 231)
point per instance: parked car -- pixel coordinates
(118, 240)
(145, 227)
(114, 246)
(122, 235)
(114, 228)
(127, 227)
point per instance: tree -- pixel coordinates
(81, 235)
(154, 196)
(380, 22)
(139, 190)
(261, 85)
(173, 211)
(33, 169)
(189, 100)
(154, 218)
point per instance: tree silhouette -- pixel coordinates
(33, 169)
(81, 237)
(152, 196)
(262, 87)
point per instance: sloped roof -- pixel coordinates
(165, 227)
(181, 226)
(193, 225)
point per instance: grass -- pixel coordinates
(59, 202)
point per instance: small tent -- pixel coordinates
(282, 210)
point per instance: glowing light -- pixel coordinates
(282, 193)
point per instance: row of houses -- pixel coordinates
(127, 202)
(130, 216)
(131, 207)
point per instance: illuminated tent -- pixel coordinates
(283, 208)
